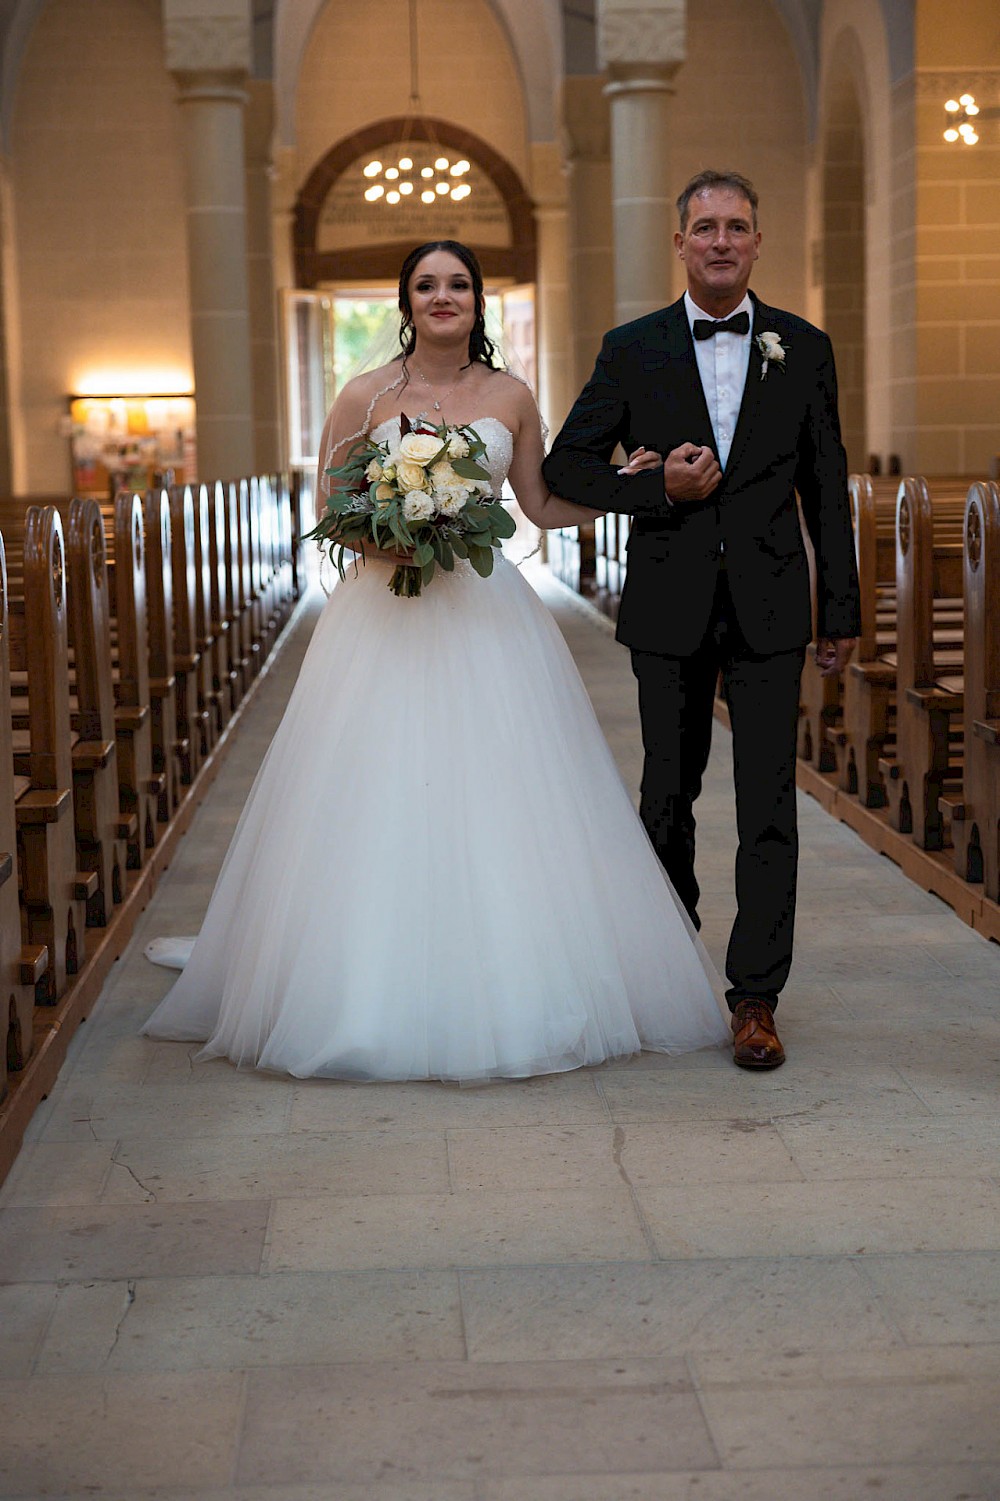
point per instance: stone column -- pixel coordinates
(591, 247)
(208, 52)
(640, 47)
(260, 270)
(549, 188)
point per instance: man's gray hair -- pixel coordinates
(704, 181)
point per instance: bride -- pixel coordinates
(439, 873)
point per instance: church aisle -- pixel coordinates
(660, 1280)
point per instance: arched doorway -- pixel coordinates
(339, 237)
(348, 250)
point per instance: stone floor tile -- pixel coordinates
(938, 1147)
(238, 1322)
(901, 1005)
(959, 1482)
(95, 1433)
(229, 1103)
(414, 1490)
(475, 1228)
(25, 1311)
(58, 1173)
(556, 1099)
(589, 1312)
(112, 1241)
(85, 1328)
(272, 1166)
(595, 1156)
(835, 1218)
(883, 1420)
(732, 1094)
(951, 1298)
(453, 1421)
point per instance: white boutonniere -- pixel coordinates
(772, 352)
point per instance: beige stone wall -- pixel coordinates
(957, 245)
(98, 194)
(739, 104)
(356, 70)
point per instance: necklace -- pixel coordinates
(444, 398)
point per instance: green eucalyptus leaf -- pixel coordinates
(481, 559)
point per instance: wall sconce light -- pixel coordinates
(963, 116)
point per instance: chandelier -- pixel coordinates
(422, 172)
(963, 116)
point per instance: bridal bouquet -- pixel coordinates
(425, 493)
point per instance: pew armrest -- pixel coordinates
(42, 805)
(988, 730)
(84, 884)
(160, 687)
(33, 963)
(92, 755)
(131, 717)
(935, 699)
(879, 674)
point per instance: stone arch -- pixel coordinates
(381, 262)
(533, 29)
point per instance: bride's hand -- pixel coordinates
(641, 459)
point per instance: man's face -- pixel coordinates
(718, 246)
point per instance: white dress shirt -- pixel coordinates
(723, 362)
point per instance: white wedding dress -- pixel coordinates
(439, 873)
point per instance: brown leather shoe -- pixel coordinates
(755, 1042)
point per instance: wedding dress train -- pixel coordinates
(439, 873)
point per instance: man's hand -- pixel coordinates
(690, 473)
(833, 654)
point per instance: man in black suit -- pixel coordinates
(742, 399)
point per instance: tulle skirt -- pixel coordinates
(439, 873)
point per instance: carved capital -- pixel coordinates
(651, 36)
(207, 36)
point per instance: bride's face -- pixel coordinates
(442, 298)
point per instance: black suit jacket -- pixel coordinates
(646, 390)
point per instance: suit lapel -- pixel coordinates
(684, 378)
(752, 391)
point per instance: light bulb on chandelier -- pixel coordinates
(387, 185)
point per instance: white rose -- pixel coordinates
(458, 447)
(409, 475)
(384, 492)
(374, 470)
(443, 476)
(419, 448)
(771, 347)
(418, 505)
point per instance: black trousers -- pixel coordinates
(675, 706)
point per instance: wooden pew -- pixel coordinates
(140, 786)
(225, 680)
(974, 814)
(21, 965)
(102, 832)
(167, 750)
(866, 731)
(189, 565)
(927, 759)
(54, 892)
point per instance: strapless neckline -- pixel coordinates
(423, 417)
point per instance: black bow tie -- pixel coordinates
(707, 328)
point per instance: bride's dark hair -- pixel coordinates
(481, 346)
